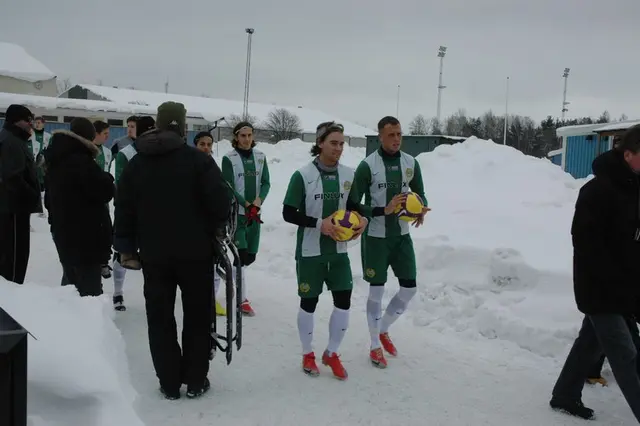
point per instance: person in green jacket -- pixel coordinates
(245, 169)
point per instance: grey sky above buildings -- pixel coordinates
(347, 57)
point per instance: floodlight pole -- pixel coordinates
(564, 95)
(441, 53)
(245, 108)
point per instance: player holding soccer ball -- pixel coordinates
(391, 182)
(317, 200)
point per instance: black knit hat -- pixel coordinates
(84, 128)
(172, 116)
(17, 113)
(144, 124)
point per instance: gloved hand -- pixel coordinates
(252, 212)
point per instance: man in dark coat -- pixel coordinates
(19, 193)
(606, 277)
(170, 203)
(77, 190)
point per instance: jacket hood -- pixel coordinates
(65, 144)
(612, 165)
(158, 142)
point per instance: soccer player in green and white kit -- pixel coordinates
(383, 177)
(135, 126)
(315, 193)
(245, 169)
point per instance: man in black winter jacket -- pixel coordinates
(19, 193)
(76, 193)
(606, 277)
(171, 200)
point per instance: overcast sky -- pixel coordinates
(348, 57)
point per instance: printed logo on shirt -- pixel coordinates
(329, 177)
(370, 273)
(250, 174)
(329, 196)
(347, 185)
(392, 185)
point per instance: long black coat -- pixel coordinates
(19, 186)
(171, 200)
(77, 191)
(606, 223)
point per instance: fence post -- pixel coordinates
(13, 371)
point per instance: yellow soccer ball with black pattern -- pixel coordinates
(346, 220)
(411, 208)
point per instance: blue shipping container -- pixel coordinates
(581, 151)
(556, 159)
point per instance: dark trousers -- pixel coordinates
(191, 364)
(616, 337)
(15, 244)
(86, 278)
(596, 370)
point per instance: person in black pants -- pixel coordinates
(170, 203)
(76, 192)
(19, 193)
(606, 248)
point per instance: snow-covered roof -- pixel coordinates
(554, 152)
(621, 125)
(51, 103)
(309, 119)
(577, 130)
(17, 63)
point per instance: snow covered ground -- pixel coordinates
(481, 344)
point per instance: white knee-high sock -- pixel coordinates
(305, 330)
(374, 313)
(396, 307)
(244, 281)
(216, 283)
(338, 324)
(118, 278)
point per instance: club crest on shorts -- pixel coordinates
(304, 288)
(370, 272)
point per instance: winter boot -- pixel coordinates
(197, 393)
(105, 271)
(574, 408)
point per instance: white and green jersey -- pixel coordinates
(104, 158)
(380, 177)
(248, 174)
(318, 194)
(122, 159)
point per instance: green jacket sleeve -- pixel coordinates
(265, 182)
(417, 184)
(361, 181)
(121, 162)
(227, 174)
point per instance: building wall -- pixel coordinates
(40, 88)
(556, 159)
(115, 132)
(581, 151)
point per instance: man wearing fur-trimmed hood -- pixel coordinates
(76, 193)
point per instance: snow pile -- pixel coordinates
(15, 62)
(78, 372)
